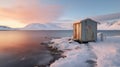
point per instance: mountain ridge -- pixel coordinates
(63, 26)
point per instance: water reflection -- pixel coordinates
(22, 49)
(8, 39)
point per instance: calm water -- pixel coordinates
(110, 32)
(23, 48)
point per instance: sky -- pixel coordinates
(18, 13)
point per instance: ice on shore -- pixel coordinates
(100, 54)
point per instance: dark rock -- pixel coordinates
(92, 63)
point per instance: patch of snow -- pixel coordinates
(108, 52)
(76, 54)
(101, 53)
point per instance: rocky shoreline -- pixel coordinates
(56, 54)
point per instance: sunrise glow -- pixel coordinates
(12, 23)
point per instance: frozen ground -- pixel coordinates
(94, 54)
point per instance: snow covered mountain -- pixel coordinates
(109, 26)
(69, 26)
(115, 26)
(6, 28)
(48, 26)
(104, 26)
(63, 26)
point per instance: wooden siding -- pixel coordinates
(76, 33)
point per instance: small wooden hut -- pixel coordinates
(85, 30)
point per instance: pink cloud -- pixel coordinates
(30, 11)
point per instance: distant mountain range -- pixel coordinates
(6, 28)
(48, 26)
(109, 26)
(115, 25)
(63, 26)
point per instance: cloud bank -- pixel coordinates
(29, 11)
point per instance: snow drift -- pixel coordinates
(100, 54)
(76, 55)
